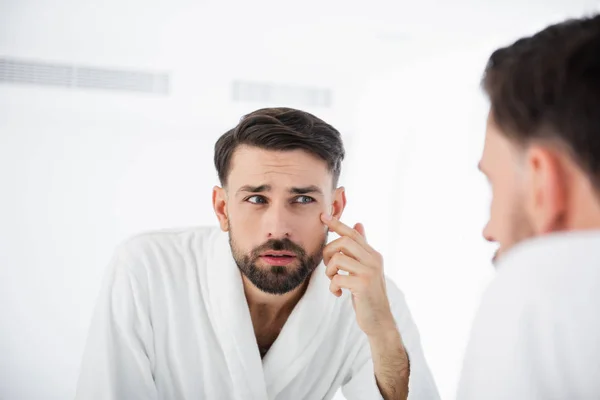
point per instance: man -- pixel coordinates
(537, 333)
(259, 309)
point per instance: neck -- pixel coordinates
(584, 210)
(272, 306)
(584, 221)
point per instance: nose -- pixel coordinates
(277, 222)
(487, 234)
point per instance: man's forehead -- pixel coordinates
(274, 182)
(267, 188)
(255, 156)
(278, 169)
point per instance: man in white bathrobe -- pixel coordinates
(537, 333)
(262, 308)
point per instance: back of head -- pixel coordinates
(281, 129)
(547, 88)
(542, 147)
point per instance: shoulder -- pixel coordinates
(546, 272)
(145, 249)
(545, 288)
(168, 237)
(540, 309)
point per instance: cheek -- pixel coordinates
(311, 232)
(308, 211)
(242, 224)
(308, 224)
(495, 218)
(306, 217)
(242, 215)
(502, 213)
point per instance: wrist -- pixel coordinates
(386, 334)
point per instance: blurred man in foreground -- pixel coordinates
(537, 333)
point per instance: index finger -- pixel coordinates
(344, 230)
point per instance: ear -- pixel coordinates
(219, 199)
(545, 189)
(336, 208)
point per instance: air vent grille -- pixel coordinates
(15, 71)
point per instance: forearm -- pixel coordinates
(391, 364)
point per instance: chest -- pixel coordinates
(266, 334)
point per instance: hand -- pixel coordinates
(365, 279)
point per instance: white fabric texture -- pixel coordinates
(537, 332)
(172, 322)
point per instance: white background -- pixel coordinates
(81, 170)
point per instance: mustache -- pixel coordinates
(279, 245)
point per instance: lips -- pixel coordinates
(273, 253)
(279, 258)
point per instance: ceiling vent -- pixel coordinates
(15, 71)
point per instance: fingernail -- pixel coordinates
(327, 217)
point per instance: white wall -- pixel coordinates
(82, 170)
(425, 197)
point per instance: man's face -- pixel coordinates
(273, 202)
(502, 163)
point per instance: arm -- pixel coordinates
(369, 372)
(421, 384)
(117, 358)
(394, 349)
(391, 364)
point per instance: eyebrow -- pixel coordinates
(266, 188)
(306, 190)
(254, 189)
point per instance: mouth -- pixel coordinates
(278, 258)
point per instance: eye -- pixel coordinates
(304, 200)
(256, 200)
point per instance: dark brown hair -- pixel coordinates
(547, 87)
(281, 129)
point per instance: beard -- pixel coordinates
(520, 229)
(275, 279)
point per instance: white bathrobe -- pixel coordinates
(173, 323)
(537, 333)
